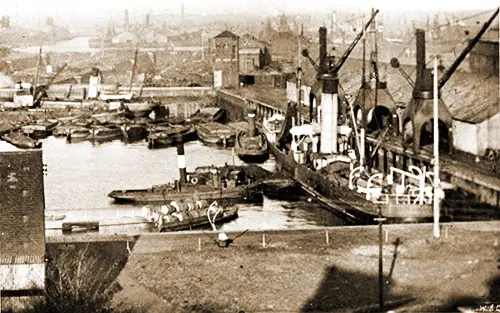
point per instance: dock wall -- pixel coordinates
(80, 91)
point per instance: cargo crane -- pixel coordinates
(418, 114)
(374, 107)
(41, 91)
(331, 111)
(327, 70)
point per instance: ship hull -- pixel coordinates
(242, 194)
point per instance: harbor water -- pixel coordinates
(80, 176)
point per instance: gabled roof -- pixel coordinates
(226, 34)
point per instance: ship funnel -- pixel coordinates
(251, 122)
(323, 63)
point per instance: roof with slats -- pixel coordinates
(21, 259)
(470, 97)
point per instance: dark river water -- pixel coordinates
(80, 176)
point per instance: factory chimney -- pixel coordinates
(126, 21)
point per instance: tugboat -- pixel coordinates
(227, 185)
(251, 146)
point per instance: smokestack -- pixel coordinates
(251, 122)
(181, 160)
(182, 13)
(323, 64)
(126, 21)
(420, 42)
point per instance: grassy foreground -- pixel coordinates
(297, 271)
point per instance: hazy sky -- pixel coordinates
(103, 7)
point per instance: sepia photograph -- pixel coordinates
(249, 156)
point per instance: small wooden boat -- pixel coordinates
(216, 134)
(105, 133)
(206, 115)
(107, 117)
(189, 214)
(61, 130)
(282, 189)
(134, 132)
(251, 146)
(77, 134)
(39, 129)
(163, 136)
(140, 109)
(20, 140)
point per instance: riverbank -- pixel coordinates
(297, 271)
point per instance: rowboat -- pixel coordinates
(20, 140)
(134, 132)
(105, 133)
(187, 214)
(77, 134)
(140, 109)
(162, 136)
(107, 117)
(39, 129)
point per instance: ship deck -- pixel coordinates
(459, 168)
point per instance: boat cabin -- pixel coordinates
(305, 140)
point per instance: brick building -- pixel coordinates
(226, 60)
(22, 226)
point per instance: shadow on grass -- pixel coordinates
(81, 276)
(343, 290)
(493, 298)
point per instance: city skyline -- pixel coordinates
(96, 8)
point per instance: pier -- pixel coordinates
(458, 169)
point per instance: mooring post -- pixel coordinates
(181, 160)
(199, 243)
(263, 240)
(327, 239)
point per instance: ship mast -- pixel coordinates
(35, 82)
(436, 153)
(133, 69)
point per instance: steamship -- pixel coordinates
(329, 158)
